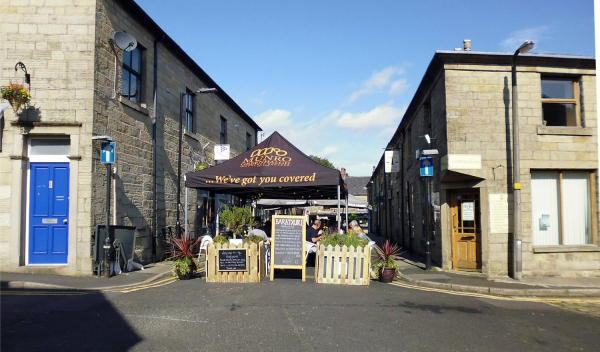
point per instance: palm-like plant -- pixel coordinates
(387, 255)
(183, 251)
(183, 247)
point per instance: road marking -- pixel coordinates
(154, 284)
(46, 293)
(549, 300)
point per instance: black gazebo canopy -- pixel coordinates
(272, 169)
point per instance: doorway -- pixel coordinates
(48, 202)
(466, 229)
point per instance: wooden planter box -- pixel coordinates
(255, 259)
(343, 265)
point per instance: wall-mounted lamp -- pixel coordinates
(22, 67)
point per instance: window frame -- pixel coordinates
(575, 101)
(248, 141)
(189, 111)
(125, 67)
(592, 201)
(223, 130)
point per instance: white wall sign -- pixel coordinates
(468, 211)
(392, 161)
(222, 152)
(464, 161)
(499, 222)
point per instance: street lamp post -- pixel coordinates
(182, 96)
(518, 236)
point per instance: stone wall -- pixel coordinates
(55, 40)
(479, 113)
(131, 127)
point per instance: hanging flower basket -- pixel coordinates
(16, 94)
(201, 166)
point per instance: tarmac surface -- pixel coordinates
(286, 315)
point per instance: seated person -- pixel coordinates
(267, 228)
(313, 234)
(257, 230)
(355, 227)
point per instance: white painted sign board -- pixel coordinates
(499, 222)
(222, 152)
(464, 161)
(392, 161)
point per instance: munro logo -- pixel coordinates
(268, 151)
(267, 157)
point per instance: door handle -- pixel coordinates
(65, 221)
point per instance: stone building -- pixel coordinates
(463, 104)
(52, 183)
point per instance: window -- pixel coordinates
(426, 118)
(132, 75)
(248, 141)
(189, 111)
(560, 102)
(561, 208)
(223, 139)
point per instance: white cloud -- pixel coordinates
(387, 132)
(378, 81)
(398, 87)
(517, 38)
(381, 116)
(274, 119)
(258, 100)
(327, 151)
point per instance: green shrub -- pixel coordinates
(254, 239)
(347, 239)
(221, 239)
(237, 219)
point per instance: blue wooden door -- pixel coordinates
(48, 213)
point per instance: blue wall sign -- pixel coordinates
(107, 152)
(426, 166)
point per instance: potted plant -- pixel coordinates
(16, 94)
(386, 265)
(254, 239)
(237, 219)
(183, 251)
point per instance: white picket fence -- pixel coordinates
(343, 265)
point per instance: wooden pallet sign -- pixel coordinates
(343, 265)
(288, 243)
(235, 263)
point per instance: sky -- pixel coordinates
(335, 77)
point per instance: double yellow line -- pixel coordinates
(549, 300)
(153, 284)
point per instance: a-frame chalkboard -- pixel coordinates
(288, 243)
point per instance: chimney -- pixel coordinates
(467, 44)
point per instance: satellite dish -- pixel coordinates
(124, 41)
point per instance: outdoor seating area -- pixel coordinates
(274, 233)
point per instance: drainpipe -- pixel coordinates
(402, 215)
(155, 147)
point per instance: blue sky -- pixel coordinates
(334, 77)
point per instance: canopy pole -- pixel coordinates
(347, 225)
(339, 217)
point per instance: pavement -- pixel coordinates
(412, 270)
(151, 273)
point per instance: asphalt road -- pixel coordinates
(286, 315)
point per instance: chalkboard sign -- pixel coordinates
(232, 259)
(288, 243)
